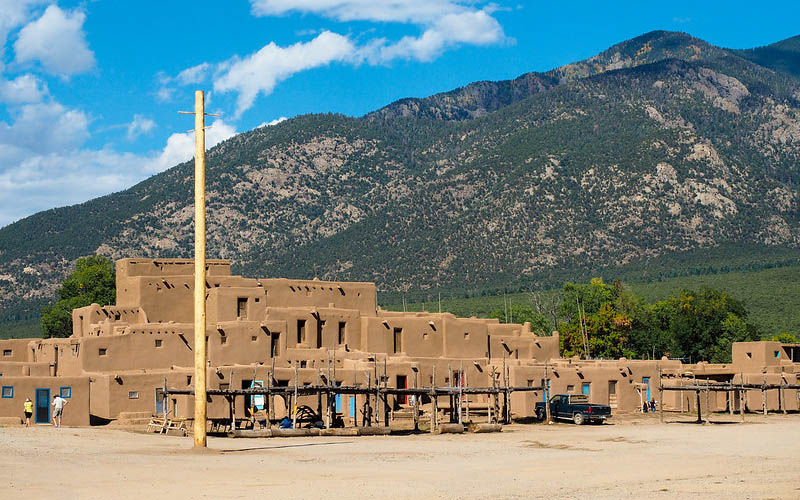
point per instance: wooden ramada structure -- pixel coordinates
(328, 350)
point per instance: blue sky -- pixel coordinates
(89, 90)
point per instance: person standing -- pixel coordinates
(58, 409)
(28, 411)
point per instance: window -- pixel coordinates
(530, 383)
(8, 352)
(342, 328)
(159, 342)
(188, 380)
(777, 354)
(273, 349)
(102, 351)
(253, 338)
(570, 388)
(241, 307)
(75, 349)
(301, 331)
(398, 340)
(749, 354)
(65, 392)
(8, 391)
(612, 387)
(133, 395)
(466, 335)
(586, 388)
(223, 340)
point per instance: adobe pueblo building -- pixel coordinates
(307, 333)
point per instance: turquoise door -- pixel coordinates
(338, 402)
(352, 404)
(646, 380)
(586, 388)
(42, 413)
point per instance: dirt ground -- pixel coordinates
(632, 458)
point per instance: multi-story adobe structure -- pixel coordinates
(277, 329)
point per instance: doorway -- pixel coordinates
(42, 414)
(402, 383)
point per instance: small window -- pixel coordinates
(102, 351)
(133, 395)
(466, 335)
(75, 349)
(301, 331)
(8, 391)
(254, 338)
(570, 388)
(188, 380)
(159, 342)
(8, 352)
(65, 392)
(749, 354)
(223, 340)
(241, 307)
(342, 329)
(777, 354)
(303, 364)
(530, 383)
(397, 345)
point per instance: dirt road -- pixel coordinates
(629, 460)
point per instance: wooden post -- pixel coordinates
(467, 384)
(741, 403)
(294, 403)
(708, 403)
(699, 415)
(660, 400)
(782, 397)
(434, 401)
(416, 402)
(200, 406)
(730, 402)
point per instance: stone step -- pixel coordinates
(130, 415)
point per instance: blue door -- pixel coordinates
(352, 405)
(338, 402)
(42, 413)
(586, 388)
(646, 380)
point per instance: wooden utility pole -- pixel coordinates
(200, 409)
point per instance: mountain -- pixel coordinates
(782, 56)
(663, 154)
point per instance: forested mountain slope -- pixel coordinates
(661, 147)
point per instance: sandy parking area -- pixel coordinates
(636, 458)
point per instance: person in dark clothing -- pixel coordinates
(652, 405)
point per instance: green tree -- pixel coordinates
(92, 281)
(705, 324)
(521, 314)
(786, 338)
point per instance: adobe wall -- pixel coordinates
(76, 412)
(253, 325)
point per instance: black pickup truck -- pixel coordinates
(575, 407)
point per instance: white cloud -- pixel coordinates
(444, 24)
(43, 161)
(23, 89)
(140, 125)
(57, 41)
(195, 74)
(258, 73)
(273, 122)
(404, 11)
(180, 147)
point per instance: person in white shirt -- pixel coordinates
(58, 409)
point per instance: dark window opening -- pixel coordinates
(301, 331)
(320, 326)
(274, 337)
(159, 342)
(102, 351)
(342, 327)
(7, 352)
(241, 307)
(398, 340)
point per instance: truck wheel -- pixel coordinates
(578, 419)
